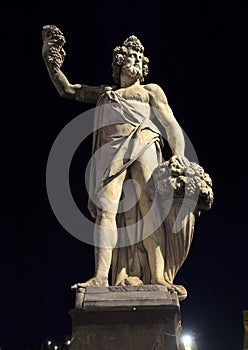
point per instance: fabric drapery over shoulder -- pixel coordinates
(123, 130)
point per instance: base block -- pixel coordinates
(125, 318)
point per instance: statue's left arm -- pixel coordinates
(163, 112)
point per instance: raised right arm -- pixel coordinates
(53, 55)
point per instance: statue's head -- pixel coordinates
(120, 53)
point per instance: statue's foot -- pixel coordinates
(161, 281)
(93, 282)
(130, 281)
(181, 291)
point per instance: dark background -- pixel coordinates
(197, 55)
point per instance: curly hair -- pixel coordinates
(119, 54)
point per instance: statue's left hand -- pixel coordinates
(181, 159)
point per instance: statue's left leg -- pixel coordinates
(153, 232)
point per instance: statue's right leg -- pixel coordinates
(105, 231)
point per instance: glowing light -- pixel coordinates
(187, 341)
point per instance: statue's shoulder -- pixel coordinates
(153, 87)
(113, 87)
(109, 88)
(156, 92)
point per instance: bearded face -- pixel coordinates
(133, 64)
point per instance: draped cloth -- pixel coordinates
(123, 131)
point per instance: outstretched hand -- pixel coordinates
(52, 50)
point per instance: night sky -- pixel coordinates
(197, 55)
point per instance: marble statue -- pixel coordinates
(128, 145)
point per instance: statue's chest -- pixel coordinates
(138, 94)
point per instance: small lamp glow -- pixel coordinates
(49, 342)
(68, 342)
(187, 341)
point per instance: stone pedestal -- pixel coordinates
(125, 318)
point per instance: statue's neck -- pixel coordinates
(126, 81)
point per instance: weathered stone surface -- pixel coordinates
(126, 318)
(124, 298)
(135, 235)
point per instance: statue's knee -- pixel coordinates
(150, 242)
(146, 202)
(107, 207)
(105, 215)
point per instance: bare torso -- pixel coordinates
(137, 93)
